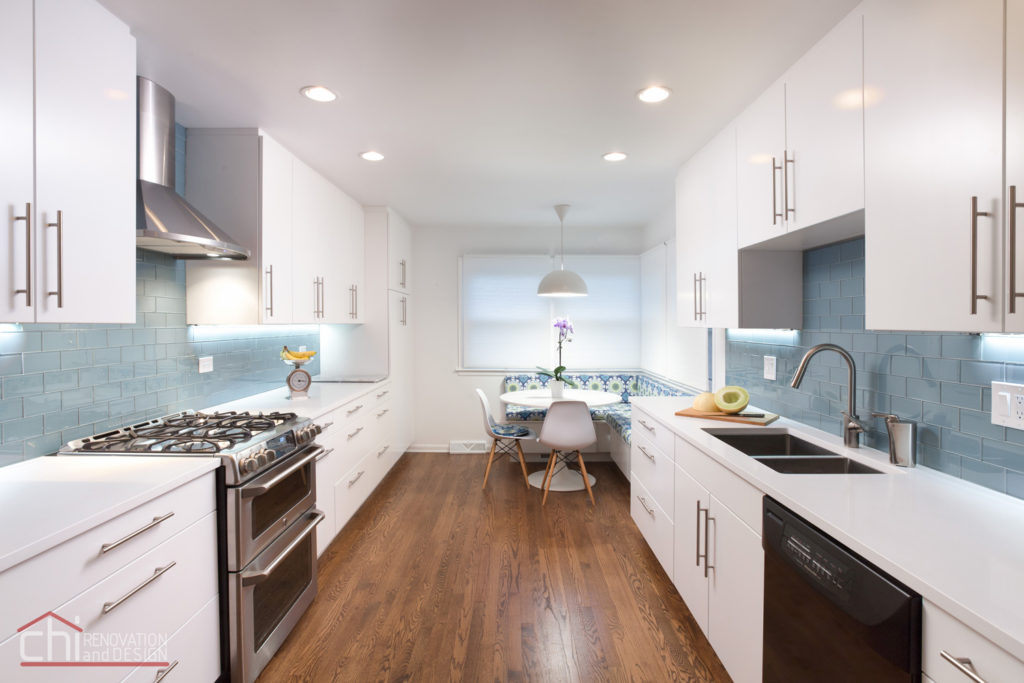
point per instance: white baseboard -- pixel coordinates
(428, 448)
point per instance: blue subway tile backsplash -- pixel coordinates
(942, 381)
(64, 382)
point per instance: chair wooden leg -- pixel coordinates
(547, 476)
(586, 479)
(490, 459)
(522, 463)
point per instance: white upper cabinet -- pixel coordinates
(933, 122)
(305, 235)
(800, 145)
(399, 253)
(76, 263)
(760, 148)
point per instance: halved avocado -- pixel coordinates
(732, 399)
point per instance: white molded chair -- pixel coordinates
(505, 438)
(567, 427)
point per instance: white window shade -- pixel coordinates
(504, 323)
(607, 321)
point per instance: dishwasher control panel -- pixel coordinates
(819, 566)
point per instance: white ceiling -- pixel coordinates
(489, 112)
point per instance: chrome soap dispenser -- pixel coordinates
(902, 440)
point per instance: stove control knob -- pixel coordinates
(248, 465)
(264, 457)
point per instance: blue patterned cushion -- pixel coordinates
(510, 430)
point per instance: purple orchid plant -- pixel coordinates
(565, 330)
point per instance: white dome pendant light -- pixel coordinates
(562, 282)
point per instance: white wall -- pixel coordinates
(446, 406)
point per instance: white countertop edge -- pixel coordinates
(194, 469)
(1009, 637)
(323, 398)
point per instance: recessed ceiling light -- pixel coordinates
(372, 156)
(319, 93)
(655, 93)
(614, 156)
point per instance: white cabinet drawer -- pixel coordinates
(54, 577)
(193, 652)
(653, 468)
(660, 435)
(355, 487)
(152, 604)
(653, 522)
(740, 497)
(944, 633)
(380, 394)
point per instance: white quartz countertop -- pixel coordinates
(323, 397)
(959, 545)
(47, 500)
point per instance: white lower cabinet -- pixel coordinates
(654, 523)
(942, 633)
(187, 652)
(719, 566)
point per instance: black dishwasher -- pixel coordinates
(829, 615)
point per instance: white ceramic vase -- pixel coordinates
(557, 387)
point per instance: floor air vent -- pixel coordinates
(459, 447)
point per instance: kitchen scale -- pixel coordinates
(298, 381)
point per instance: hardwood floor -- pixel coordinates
(435, 579)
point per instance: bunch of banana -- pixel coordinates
(289, 355)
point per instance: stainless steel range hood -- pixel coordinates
(166, 222)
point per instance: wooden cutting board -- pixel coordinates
(730, 417)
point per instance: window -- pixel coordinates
(505, 325)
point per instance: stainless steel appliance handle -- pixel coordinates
(253, 491)
(698, 533)
(107, 547)
(162, 673)
(358, 407)
(402, 263)
(707, 540)
(358, 477)
(28, 253)
(974, 254)
(254, 577)
(60, 259)
(643, 502)
(785, 183)
(963, 665)
(157, 573)
(353, 434)
(324, 454)
(383, 450)
(645, 425)
(644, 451)
(270, 290)
(1014, 205)
(775, 206)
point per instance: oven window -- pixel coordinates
(272, 598)
(268, 508)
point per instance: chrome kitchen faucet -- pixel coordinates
(852, 426)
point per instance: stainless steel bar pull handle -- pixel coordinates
(352, 482)
(787, 162)
(645, 452)
(707, 541)
(157, 573)
(776, 167)
(963, 665)
(699, 555)
(646, 426)
(270, 290)
(405, 311)
(974, 254)
(353, 434)
(107, 547)
(162, 673)
(59, 293)
(383, 450)
(647, 507)
(357, 408)
(313, 517)
(402, 263)
(355, 301)
(28, 254)
(1014, 205)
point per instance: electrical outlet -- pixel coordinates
(1008, 404)
(206, 364)
(769, 367)
(302, 348)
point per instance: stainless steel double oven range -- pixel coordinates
(267, 511)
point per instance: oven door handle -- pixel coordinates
(259, 490)
(254, 577)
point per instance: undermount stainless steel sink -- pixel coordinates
(789, 454)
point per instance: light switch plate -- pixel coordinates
(1008, 404)
(206, 364)
(769, 367)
